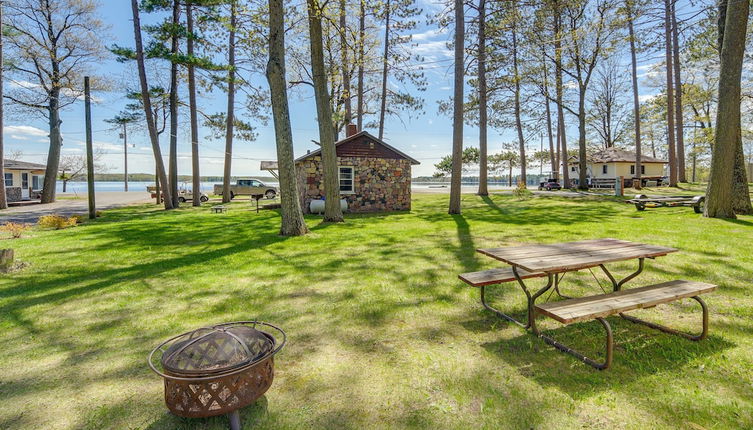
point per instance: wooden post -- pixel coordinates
(89, 149)
(6, 260)
(619, 186)
(157, 190)
(125, 156)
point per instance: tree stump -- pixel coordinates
(6, 260)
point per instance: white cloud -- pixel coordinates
(24, 130)
(646, 97)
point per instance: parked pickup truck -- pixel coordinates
(248, 187)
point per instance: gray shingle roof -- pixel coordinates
(22, 165)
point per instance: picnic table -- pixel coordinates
(552, 261)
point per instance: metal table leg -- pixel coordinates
(496, 311)
(665, 329)
(591, 362)
(618, 285)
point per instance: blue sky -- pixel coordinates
(426, 138)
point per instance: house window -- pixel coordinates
(346, 180)
(9, 179)
(632, 169)
(572, 169)
(604, 169)
(36, 182)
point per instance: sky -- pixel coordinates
(426, 138)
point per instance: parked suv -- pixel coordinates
(549, 185)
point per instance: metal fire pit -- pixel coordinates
(217, 370)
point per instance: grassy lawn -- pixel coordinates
(381, 332)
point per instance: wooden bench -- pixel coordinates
(496, 276)
(600, 306)
(219, 209)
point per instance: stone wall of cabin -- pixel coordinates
(380, 184)
(13, 194)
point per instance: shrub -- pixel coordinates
(57, 222)
(521, 192)
(78, 219)
(15, 229)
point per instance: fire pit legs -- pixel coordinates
(235, 420)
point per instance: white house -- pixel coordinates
(612, 163)
(23, 180)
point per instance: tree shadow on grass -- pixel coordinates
(638, 352)
(251, 416)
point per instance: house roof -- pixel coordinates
(614, 155)
(22, 165)
(369, 136)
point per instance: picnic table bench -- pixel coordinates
(219, 209)
(554, 260)
(641, 202)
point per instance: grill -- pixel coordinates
(217, 370)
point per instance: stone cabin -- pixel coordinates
(374, 176)
(23, 180)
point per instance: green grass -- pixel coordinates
(381, 332)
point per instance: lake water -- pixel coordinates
(207, 187)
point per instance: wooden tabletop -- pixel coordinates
(564, 257)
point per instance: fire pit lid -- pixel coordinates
(216, 349)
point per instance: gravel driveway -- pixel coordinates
(71, 204)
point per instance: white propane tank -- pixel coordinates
(317, 206)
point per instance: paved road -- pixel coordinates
(71, 204)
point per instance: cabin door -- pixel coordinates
(25, 186)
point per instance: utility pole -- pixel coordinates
(89, 149)
(125, 156)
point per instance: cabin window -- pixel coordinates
(36, 182)
(604, 169)
(346, 180)
(9, 179)
(643, 170)
(632, 169)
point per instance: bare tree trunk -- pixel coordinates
(196, 177)
(564, 158)
(740, 191)
(670, 95)
(482, 101)
(53, 155)
(681, 176)
(457, 121)
(332, 211)
(361, 49)
(161, 175)
(719, 195)
(385, 63)
(3, 197)
(230, 120)
(173, 158)
(345, 63)
(292, 223)
(582, 156)
(636, 100)
(553, 159)
(518, 121)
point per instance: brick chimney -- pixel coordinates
(351, 129)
